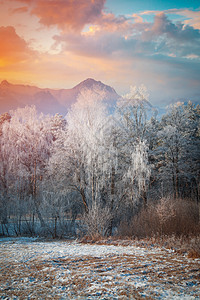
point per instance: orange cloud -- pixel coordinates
(119, 50)
(23, 9)
(13, 49)
(66, 14)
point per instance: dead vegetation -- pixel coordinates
(167, 223)
(144, 272)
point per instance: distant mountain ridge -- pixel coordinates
(48, 100)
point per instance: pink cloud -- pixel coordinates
(22, 9)
(121, 36)
(192, 16)
(66, 14)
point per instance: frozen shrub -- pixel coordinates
(96, 222)
(165, 218)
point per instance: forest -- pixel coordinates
(99, 172)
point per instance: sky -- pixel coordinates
(59, 43)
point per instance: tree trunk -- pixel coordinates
(144, 198)
(55, 227)
(84, 200)
(112, 192)
(39, 214)
(34, 193)
(5, 201)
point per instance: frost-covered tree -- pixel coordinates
(177, 151)
(28, 138)
(92, 162)
(192, 134)
(55, 197)
(132, 110)
(85, 130)
(5, 178)
(132, 127)
(138, 173)
(4, 118)
(85, 159)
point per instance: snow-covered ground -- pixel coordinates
(33, 269)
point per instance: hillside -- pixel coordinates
(48, 100)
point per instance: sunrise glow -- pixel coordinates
(57, 44)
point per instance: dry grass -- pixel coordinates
(168, 223)
(193, 254)
(183, 245)
(137, 275)
(164, 218)
(99, 277)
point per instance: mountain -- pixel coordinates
(49, 101)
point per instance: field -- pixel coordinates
(36, 269)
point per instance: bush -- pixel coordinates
(95, 223)
(165, 218)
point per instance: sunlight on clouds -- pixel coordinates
(194, 18)
(189, 17)
(59, 43)
(72, 15)
(92, 30)
(172, 54)
(39, 37)
(137, 18)
(192, 56)
(13, 48)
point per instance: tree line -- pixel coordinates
(94, 170)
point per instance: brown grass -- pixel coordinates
(193, 254)
(167, 217)
(112, 276)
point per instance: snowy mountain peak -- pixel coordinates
(5, 83)
(90, 83)
(48, 100)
